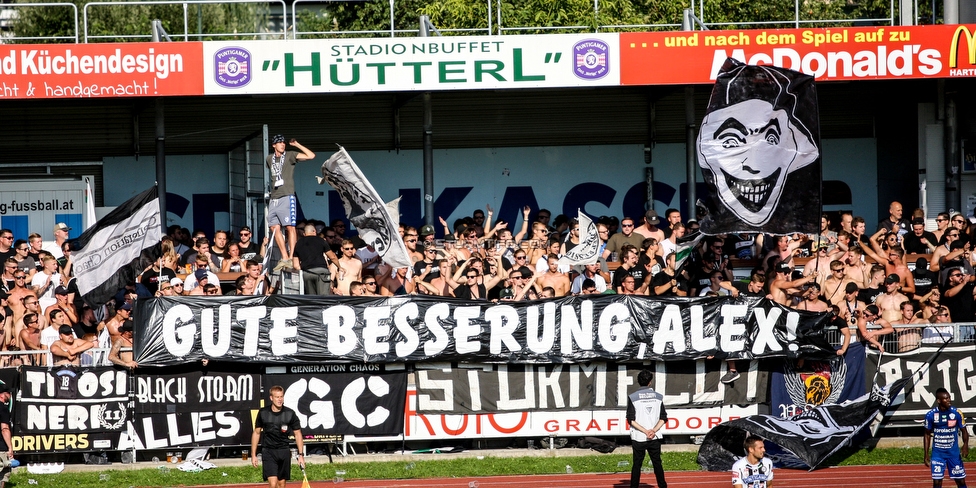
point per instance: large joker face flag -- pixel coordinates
(759, 151)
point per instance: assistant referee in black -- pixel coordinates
(272, 427)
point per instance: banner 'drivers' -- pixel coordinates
(283, 329)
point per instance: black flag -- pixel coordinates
(802, 441)
(759, 152)
(119, 247)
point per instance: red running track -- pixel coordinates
(898, 476)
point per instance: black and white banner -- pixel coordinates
(759, 152)
(71, 408)
(485, 388)
(953, 369)
(119, 247)
(805, 440)
(365, 209)
(195, 408)
(281, 329)
(363, 404)
(196, 391)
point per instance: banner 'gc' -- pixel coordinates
(485, 388)
(71, 408)
(345, 403)
(282, 329)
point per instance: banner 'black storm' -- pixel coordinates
(278, 329)
(759, 151)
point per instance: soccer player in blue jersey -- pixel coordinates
(942, 427)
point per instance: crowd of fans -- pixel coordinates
(863, 279)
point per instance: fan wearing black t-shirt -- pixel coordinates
(272, 427)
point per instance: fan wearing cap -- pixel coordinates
(282, 210)
(649, 228)
(868, 323)
(202, 278)
(427, 234)
(67, 350)
(176, 287)
(192, 280)
(116, 355)
(112, 326)
(60, 235)
(851, 304)
(782, 285)
(63, 304)
(889, 301)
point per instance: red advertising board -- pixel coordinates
(836, 54)
(34, 71)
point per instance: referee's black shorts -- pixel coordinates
(276, 463)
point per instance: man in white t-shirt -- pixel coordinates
(755, 470)
(60, 235)
(45, 282)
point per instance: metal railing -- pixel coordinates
(493, 25)
(909, 337)
(43, 357)
(796, 21)
(392, 32)
(186, 19)
(74, 11)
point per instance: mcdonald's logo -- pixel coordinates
(954, 47)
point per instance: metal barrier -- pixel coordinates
(186, 25)
(296, 32)
(908, 337)
(797, 22)
(92, 357)
(15, 6)
(493, 16)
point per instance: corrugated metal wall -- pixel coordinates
(88, 130)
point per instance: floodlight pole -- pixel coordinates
(688, 24)
(425, 28)
(158, 33)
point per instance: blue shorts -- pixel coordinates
(943, 462)
(283, 211)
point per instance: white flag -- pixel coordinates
(586, 252)
(365, 209)
(89, 205)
